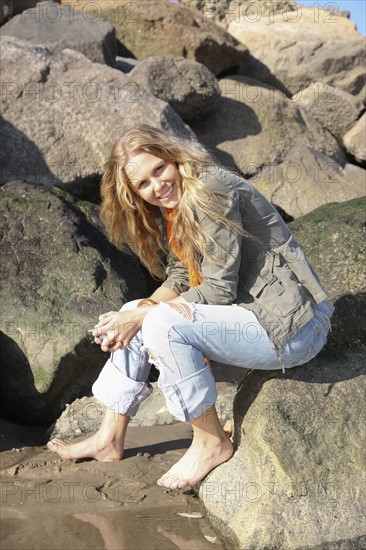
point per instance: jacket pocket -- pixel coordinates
(276, 288)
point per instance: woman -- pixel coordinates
(238, 290)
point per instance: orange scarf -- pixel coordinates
(195, 277)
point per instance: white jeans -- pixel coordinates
(177, 345)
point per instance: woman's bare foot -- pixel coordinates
(106, 445)
(196, 463)
(210, 447)
(88, 448)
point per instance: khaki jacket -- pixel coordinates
(267, 273)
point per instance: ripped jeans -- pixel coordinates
(176, 342)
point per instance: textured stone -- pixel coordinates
(254, 124)
(333, 239)
(189, 87)
(307, 179)
(160, 27)
(58, 27)
(293, 49)
(355, 140)
(332, 107)
(299, 463)
(59, 273)
(62, 114)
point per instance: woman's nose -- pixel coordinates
(157, 184)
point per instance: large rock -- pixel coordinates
(355, 140)
(295, 480)
(59, 272)
(333, 238)
(62, 113)
(334, 108)
(254, 124)
(307, 179)
(155, 27)
(58, 27)
(293, 49)
(189, 87)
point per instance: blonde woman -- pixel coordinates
(238, 289)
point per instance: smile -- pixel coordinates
(168, 193)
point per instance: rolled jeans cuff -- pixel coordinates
(190, 397)
(118, 392)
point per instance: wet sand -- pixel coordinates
(48, 503)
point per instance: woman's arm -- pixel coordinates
(163, 294)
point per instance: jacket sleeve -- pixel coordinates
(177, 275)
(220, 282)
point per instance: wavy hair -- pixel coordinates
(131, 220)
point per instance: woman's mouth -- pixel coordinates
(168, 193)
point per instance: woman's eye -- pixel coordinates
(142, 183)
(159, 169)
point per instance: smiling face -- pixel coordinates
(157, 181)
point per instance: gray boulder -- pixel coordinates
(62, 113)
(189, 87)
(295, 480)
(334, 108)
(58, 27)
(254, 124)
(306, 179)
(291, 50)
(59, 272)
(332, 237)
(156, 27)
(355, 140)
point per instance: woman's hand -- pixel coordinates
(118, 328)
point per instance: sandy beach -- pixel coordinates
(49, 503)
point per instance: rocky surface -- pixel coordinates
(189, 87)
(254, 124)
(295, 480)
(59, 273)
(293, 49)
(62, 113)
(160, 27)
(306, 179)
(58, 27)
(333, 239)
(332, 107)
(355, 140)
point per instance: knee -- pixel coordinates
(160, 320)
(155, 325)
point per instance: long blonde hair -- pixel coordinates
(131, 220)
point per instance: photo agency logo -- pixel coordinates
(91, 12)
(316, 92)
(267, 11)
(227, 492)
(51, 92)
